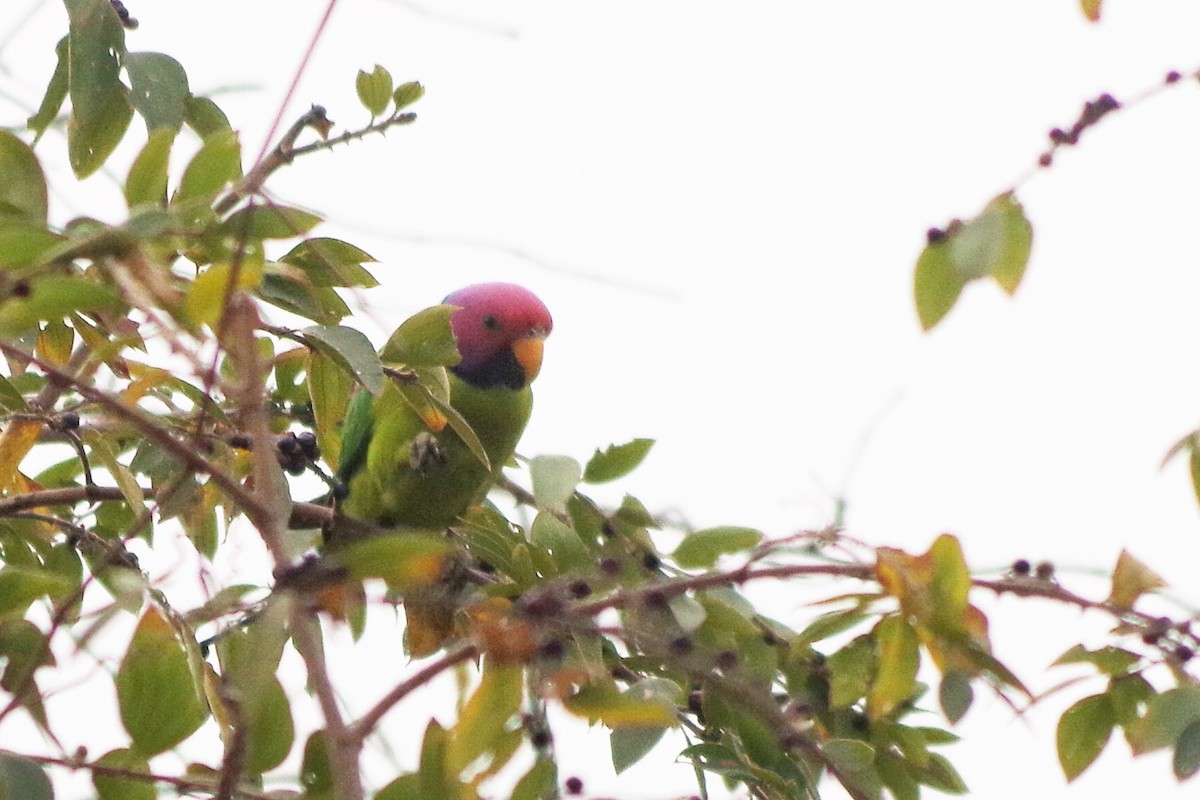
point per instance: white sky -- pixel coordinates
(721, 204)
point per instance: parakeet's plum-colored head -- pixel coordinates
(499, 328)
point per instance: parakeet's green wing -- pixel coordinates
(356, 435)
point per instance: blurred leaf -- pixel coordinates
(403, 787)
(941, 775)
(156, 689)
(1110, 660)
(1130, 695)
(271, 733)
(538, 783)
(100, 107)
(319, 304)
(620, 709)
(23, 244)
(269, 222)
(22, 779)
(406, 561)
(1083, 731)
(10, 398)
(315, 774)
(831, 624)
(554, 480)
(936, 285)
(899, 657)
(147, 181)
(22, 182)
(374, 89)
(16, 440)
(850, 672)
(407, 93)
(159, 89)
(955, 695)
(204, 116)
(111, 787)
(1167, 716)
(1186, 760)
(331, 262)
(1131, 579)
(52, 297)
(20, 586)
(485, 717)
(1091, 9)
(204, 303)
(330, 389)
(629, 745)
(996, 243)
(423, 340)
(351, 350)
(561, 541)
(56, 93)
(701, 549)
(616, 461)
(216, 164)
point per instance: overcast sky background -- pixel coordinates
(721, 203)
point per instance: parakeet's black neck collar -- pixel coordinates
(499, 371)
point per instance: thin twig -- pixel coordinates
(366, 724)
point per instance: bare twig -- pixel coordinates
(366, 724)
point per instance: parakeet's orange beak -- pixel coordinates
(528, 352)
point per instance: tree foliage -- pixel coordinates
(167, 374)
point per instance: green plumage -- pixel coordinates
(377, 455)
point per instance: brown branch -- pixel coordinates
(366, 724)
(344, 746)
(258, 514)
(184, 784)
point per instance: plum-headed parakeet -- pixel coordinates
(399, 472)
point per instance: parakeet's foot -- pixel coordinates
(425, 452)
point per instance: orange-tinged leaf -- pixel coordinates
(429, 625)
(15, 443)
(499, 635)
(160, 699)
(1091, 9)
(1131, 579)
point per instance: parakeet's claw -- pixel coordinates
(426, 452)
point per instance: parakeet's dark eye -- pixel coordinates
(490, 322)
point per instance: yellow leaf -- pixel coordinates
(15, 443)
(205, 300)
(1131, 579)
(1091, 9)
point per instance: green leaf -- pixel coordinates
(1110, 660)
(406, 561)
(850, 672)
(850, 755)
(554, 479)
(955, 695)
(616, 461)
(159, 89)
(147, 181)
(995, 243)
(941, 775)
(315, 774)
(1131, 579)
(216, 164)
(351, 350)
(331, 262)
(112, 787)
(271, 733)
(831, 624)
(157, 691)
(319, 304)
(1130, 695)
(56, 93)
(22, 182)
(1186, 760)
(407, 93)
(899, 657)
(20, 586)
(701, 549)
(330, 388)
(630, 745)
(52, 297)
(538, 782)
(100, 107)
(1167, 716)
(620, 709)
(403, 787)
(563, 543)
(423, 340)
(270, 222)
(23, 245)
(1083, 731)
(936, 286)
(204, 116)
(22, 779)
(374, 89)
(484, 720)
